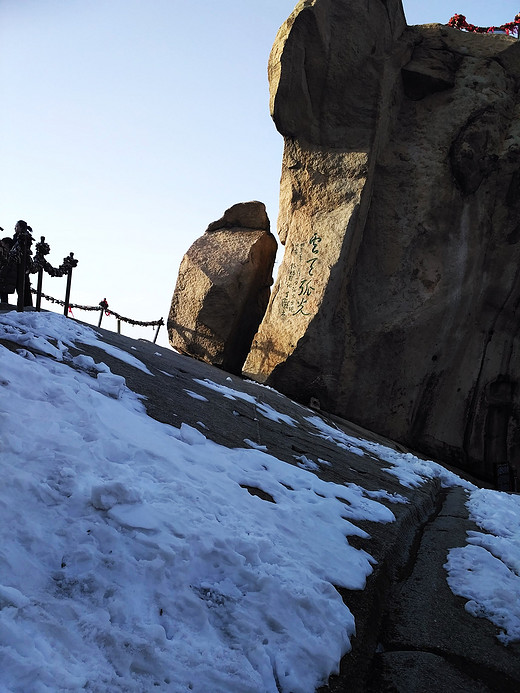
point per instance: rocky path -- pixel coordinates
(413, 634)
(427, 640)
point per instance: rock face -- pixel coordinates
(223, 288)
(396, 304)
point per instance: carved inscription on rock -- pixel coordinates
(301, 287)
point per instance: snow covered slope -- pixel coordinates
(137, 555)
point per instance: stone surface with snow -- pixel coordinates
(229, 542)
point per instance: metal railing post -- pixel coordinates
(39, 290)
(67, 291)
(104, 306)
(161, 322)
(40, 282)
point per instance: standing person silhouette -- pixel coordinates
(8, 269)
(22, 241)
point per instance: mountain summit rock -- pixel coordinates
(396, 304)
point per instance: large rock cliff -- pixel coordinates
(396, 304)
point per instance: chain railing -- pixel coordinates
(18, 259)
(103, 309)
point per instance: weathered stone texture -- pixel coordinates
(223, 288)
(396, 304)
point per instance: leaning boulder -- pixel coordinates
(223, 288)
(397, 301)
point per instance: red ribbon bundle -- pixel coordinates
(458, 21)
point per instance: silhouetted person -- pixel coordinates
(22, 241)
(8, 269)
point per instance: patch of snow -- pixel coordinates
(265, 409)
(269, 413)
(87, 363)
(305, 463)
(106, 496)
(486, 571)
(226, 391)
(10, 596)
(34, 330)
(254, 445)
(196, 395)
(191, 435)
(119, 354)
(111, 385)
(409, 469)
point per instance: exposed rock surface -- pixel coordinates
(223, 288)
(244, 215)
(396, 304)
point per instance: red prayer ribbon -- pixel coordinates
(458, 21)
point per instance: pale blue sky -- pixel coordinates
(127, 126)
